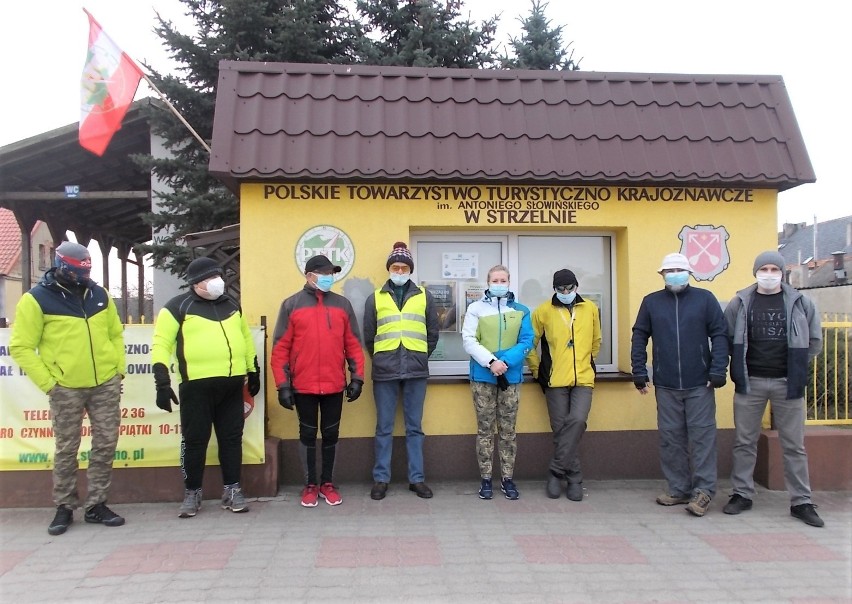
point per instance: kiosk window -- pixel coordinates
(454, 268)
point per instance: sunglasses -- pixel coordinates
(565, 289)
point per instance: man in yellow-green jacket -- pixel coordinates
(206, 333)
(69, 340)
(569, 330)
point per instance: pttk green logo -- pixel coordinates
(329, 241)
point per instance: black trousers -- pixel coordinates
(323, 410)
(211, 403)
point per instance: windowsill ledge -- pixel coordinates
(600, 377)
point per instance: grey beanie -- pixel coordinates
(768, 257)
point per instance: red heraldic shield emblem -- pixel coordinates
(706, 248)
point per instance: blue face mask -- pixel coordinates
(324, 282)
(400, 279)
(566, 298)
(676, 279)
(498, 290)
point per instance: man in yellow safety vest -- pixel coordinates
(400, 332)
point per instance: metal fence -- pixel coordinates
(829, 388)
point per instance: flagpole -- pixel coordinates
(176, 112)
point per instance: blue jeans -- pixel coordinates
(386, 395)
(789, 416)
(686, 420)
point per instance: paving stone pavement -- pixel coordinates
(616, 545)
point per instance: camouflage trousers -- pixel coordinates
(496, 412)
(67, 405)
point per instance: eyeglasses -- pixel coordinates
(565, 289)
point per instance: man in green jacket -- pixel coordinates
(206, 334)
(69, 340)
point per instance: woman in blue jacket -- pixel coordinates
(498, 335)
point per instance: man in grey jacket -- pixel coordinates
(400, 332)
(774, 332)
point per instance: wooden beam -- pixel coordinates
(60, 196)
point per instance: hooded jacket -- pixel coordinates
(401, 363)
(62, 338)
(804, 337)
(570, 340)
(497, 328)
(209, 338)
(690, 341)
(315, 339)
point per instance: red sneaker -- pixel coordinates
(309, 496)
(330, 494)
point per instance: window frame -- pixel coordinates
(510, 258)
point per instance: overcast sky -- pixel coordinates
(809, 44)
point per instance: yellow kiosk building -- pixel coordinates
(601, 173)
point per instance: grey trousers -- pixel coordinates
(568, 409)
(789, 419)
(686, 420)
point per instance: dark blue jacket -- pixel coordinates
(690, 338)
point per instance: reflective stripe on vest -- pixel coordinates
(394, 326)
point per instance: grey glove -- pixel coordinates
(286, 398)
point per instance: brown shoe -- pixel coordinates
(421, 490)
(667, 499)
(698, 504)
(379, 490)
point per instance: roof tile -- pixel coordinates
(295, 121)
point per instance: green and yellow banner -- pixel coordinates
(149, 437)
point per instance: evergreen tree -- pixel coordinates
(540, 45)
(308, 31)
(425, 33)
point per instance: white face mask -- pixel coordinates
(768, 281)
(400, 278)
(214, 288)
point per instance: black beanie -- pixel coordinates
(201, 269)
(564, 277)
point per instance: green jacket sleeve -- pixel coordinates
(26, 336)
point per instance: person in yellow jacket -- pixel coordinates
(569, 330)
(206, 333)
(69, 340)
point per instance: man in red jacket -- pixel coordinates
(316, 337)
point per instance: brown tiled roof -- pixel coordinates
(311, 121)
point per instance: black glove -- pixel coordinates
(286, 398)
(165, 397)
(353, 390)
(640, 381)
(165, 394)
(502, 382)
(254, 379)
(253, 383)
(717, 381)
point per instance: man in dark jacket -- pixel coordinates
(205, 331)
(69, 340)
(690, 347)
(774, 332)
(400, 332)
(316, 338)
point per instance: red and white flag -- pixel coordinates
(109, 83)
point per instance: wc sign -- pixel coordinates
(72, 191)
(329, 241)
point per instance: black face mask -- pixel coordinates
(71, 277)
